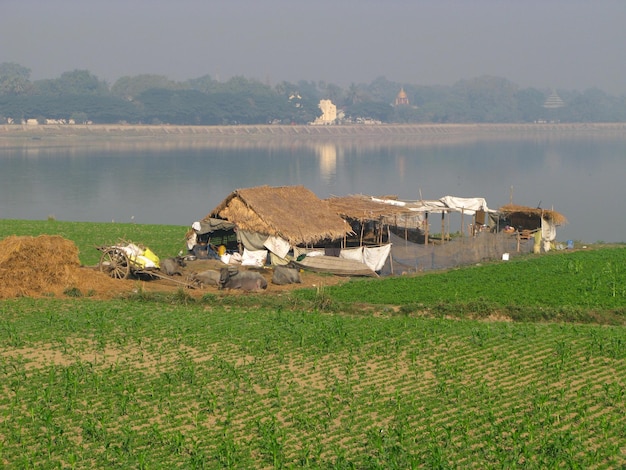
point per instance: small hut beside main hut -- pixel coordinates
(376, 217)
(528, 221)
(370, 218)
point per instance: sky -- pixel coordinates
(545, 44)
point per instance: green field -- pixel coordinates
(395, 373)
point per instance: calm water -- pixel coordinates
(581, 177)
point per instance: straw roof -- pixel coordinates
(291, 212)
(554, 216)
(364, 208)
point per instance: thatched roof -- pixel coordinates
(365, 208)
(292, 212)
(513, 209)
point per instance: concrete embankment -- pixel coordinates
(51, 135)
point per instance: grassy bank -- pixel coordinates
(166, 240)
(394, 373)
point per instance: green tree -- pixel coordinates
(14, 79)
(487, 99)
(529, 105)
(79, 82)
(129, 87)
(376, 110)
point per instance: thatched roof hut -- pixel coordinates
(293, 213)
(523, 215)
(365, 208)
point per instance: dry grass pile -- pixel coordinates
(47, 265)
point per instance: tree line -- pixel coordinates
(80, 96)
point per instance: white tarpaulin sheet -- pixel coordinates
(355, 254)
(277, 246)
(372, 256)
(469, 205)
(375, 256)
(548, 230)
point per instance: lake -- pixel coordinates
(178, 181)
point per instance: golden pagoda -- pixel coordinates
(401, 98)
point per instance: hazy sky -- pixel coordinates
(562, 44)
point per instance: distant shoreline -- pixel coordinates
(77, 135)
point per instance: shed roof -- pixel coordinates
(511, 209)
(364, 208)
(293, 213)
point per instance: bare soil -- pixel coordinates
(25, 272)
(309, 279)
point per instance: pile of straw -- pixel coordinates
(46, 265)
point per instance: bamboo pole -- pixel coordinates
(362, 228)
(443, 226)
(462, 222)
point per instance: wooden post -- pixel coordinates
(443, 226)
(462, 222)
(362, 228)
(426, 231)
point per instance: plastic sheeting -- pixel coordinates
(372, 256)
(278, 246)
(376, 256)
(256, 258)
(469, 205)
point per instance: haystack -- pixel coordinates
(44, 265)
(293, 213)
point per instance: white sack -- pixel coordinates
(254, 258)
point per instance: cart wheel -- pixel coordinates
(115, 263)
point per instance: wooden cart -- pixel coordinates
(119, 262)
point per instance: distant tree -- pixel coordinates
(14, 79)
(240, 84)
(47, 87)
(592, 105)
(376, 110)
(79, 82)
(529, 105)
(158, 105)
(354, 94)
(331, 92)
(383, 90)
(406, 114)
(205, 84)
(487, 99)
(155, 98)
(129, 87)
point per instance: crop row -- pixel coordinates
(130, 384)
(580, 282)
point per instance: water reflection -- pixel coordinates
(178, 181)
(327, 154)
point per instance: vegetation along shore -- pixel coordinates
(506, 364)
